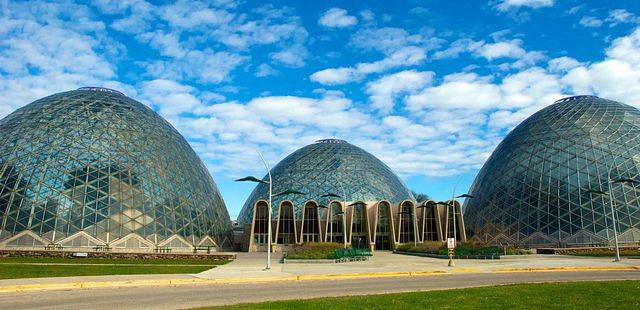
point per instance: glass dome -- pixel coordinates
(93, 167)
(534, 189)
(329, 166)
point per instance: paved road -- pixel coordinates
(185, 296)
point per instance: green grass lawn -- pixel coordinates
(572, 295)
(31, 267)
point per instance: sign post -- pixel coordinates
(451, 245)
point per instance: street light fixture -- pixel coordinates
(622, 181)
(270, 183)
(613, 217)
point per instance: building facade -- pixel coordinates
(94, 169)
(349, 196)
(377, 225)
(550, 182)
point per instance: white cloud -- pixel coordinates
(590, 21)
(43, 52)
(207, 41)
(382, 92)
(205, 66)
(622, 16)
(458, 91)
(367, 15)
(169, 97)
(506, 5)
(265, 70)
(389, 39)
(292, 56)
(190, 14)
(407, 56)
(335, 76)
(617, 77)
(563, 63)
(337, 18)
(493, 51)
(167, 43)
(511, 49)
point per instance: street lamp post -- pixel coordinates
(270, 183)
(343, 207)
(613, 209)
(452, 204)
(271, 195)
(613, 216)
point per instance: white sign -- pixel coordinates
(451, 243)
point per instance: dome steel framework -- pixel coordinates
(328, 166)
(94, 168)
(534, 188)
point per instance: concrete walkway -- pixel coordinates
(251, 265)
(249, 268)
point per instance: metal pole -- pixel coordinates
(453, 205)
(344, 214)
(269, 223)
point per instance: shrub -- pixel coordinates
(516, 251)
(430, 247)
(314, 250)
(466, 249)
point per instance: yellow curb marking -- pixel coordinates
(549, 269)
(104, 284)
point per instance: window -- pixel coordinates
(310, 230)
(406, 223)
(383, 228)
(334, 231)
(260, 227)
(286, 226)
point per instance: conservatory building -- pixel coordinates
(345, 195)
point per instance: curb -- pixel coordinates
(551, 269)
(162, 282)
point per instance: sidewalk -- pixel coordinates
(249, 268)
(252, 265)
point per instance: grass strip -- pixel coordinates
(33, 267)
(569, 295)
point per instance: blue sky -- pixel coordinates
(430, 87)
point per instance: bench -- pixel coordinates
(101, 248)
(349, 255)
(53, 246)
(162, 249)
(202, 248)
(80, 254)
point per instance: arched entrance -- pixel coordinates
(310, 224)
(383, 228)
(286, 224)
(429, 223)
(359, 227)
(407, 229)
(335, 216)
(260, 223)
